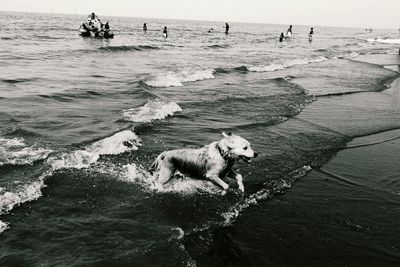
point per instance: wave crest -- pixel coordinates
(15, 152)
(288, 64)
(25, 193)
(176, 79)
(154, 110)
(116, 144)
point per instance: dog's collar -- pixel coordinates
(222, 153)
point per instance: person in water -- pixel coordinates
(144, 27)
(289, 31)
(165, 32)
(310, 35)
(281, 37)
(107, 27)
(226, 28)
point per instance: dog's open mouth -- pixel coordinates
(245, 159)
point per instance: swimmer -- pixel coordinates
(289, 31)
(310, 35)
(281, 37)
(165, 32)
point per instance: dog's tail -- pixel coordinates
(156, 164)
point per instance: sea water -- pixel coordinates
(72, 192)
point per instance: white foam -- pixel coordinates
(153, 110)
(183, 185)
(14, 151)
(14, 142)
(304, 61)
(384, 40)
(176, 79)
(21, 194)
(112, 145)
(3, 226)
(24, 193)
(272, 67)
(288, 64)
(118, 143)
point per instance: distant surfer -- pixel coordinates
(281, 37)
(144, 27)
(210, 30)
(226, 28)
(289, 32)
(165, 32)
(310, 35)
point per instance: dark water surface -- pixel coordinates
(72, 194)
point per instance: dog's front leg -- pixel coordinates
(238, 178)
(215, 179)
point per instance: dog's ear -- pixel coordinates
(226, 135)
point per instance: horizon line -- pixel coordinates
(183, 19)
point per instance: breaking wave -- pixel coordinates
(118, 143)
(21, 194)
(288, 64)
(175, 79)
(15, 152)
(153, 110)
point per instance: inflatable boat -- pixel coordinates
(93, 27)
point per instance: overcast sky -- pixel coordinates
(350, 13)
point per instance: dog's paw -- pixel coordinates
(241, 188)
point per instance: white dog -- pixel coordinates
(213, 162)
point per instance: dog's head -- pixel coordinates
(234, 146)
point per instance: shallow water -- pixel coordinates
(72, 193)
